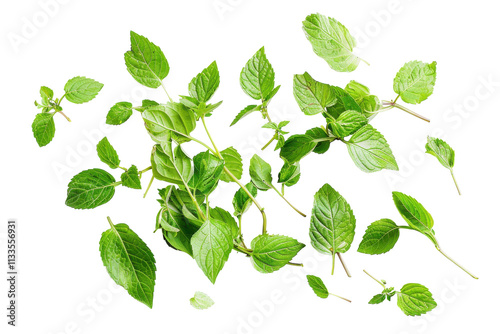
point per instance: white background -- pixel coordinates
(63, 285)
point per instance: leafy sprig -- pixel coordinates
(320, 288)
(444, 153)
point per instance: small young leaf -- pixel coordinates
(343, 103)
(377, 299)
(107, 153)
(318, 286)
(201, 301)
(296, 147)
(415, 299)
(43, 128)
(245, 112)
(146, 62)
(81, 89)
(322, 140)
(289, 174)
(415, 81)
(347, 123)
(207, 170)
(442, 151)
(147, 104)
(361, 94)
(312, 96)
(369, 150)
(130, 178)
(272, 252)
(257, 77)
(413, 212)
(204, 85)
(174, 168)
(90, 188)
(129, 262)
(270, 125)
(119, 113)
(260, 172)
(233, 162)
(332, 42)
(171, 120)
(241, 200)
(211, 245)
(380, 237)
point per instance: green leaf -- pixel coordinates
(90, 188)
(46, 94)
(312, 96)
(380, 237)
(245, 112)
(107, 153)
(377, 299)
(289, 174)
(43, 128)
(332, 222)
(171, 120)
(241, 200)
(204, 85)
(207, 170)
(130, 178)
(369, 150)
(343, 102)
(361, 94)
(415, 299)
(174, 168)
(296, 147)
(119, 113)
(212, 244)
(413, 212)
(81, 89)
(442, 151)
(201, 301)
(129, 262)
(318, 286)
(347, 123)
(415, 81)
(260, 172)
(272, 252)
(146, 62)
(357, 90)
(146, 104)
(233, 162)
(322, 139)
(225, 217)
(332, 42)
(257, 77)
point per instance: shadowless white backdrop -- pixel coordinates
(63, 287)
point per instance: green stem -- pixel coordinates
(110, 222)
(270, 141)
(210, 137)
(339, 297)
(145, 169)
(449, 258)
(383, 285)
(281, 195)
(343, 265)
(67, 118)
(333, 263)
(396, 99)
(364, 61)
(122, 168)
(149, 186)
(283, 189)
(456, 184)
(295, 264)
(411, 112)
(165, 89)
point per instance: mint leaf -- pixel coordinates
(46, 94)
(312, 96)
(81, 89)
(380, 237)
(260, 172)
(43, 128)
(90, 188)
(289, 174)
(332, 222)
(296, 147)
(361, 94)
(257, 77)
(233, 162)
(347, 123)
(207, 170)
(146, 104)
(321, 138)
(245, 112)
(377, 299)
(332, 42)
(369, 150)
(146, 62)
(129, 262)
(174, 167)
(413, 212)
(169, 121)
(318, 286)
(415, 81)
(107, 153)
(119, 113)
(442, 151)
(204, 85)
(241, 200)
(201, 301)
(130, 178)
(211, 245)
(272, 252)
(343, 102)
(415, 299)
(225, 217)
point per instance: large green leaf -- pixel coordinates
(107, 153)
(212, 244)
(369, 150)
(318, 286)
(119, 113)
(296, 147)
(204, 85)
(146, 62)
(241, 200)
(257, 77)
(233, 162)
(90, 188)
(415, 81)
(415, 299)
(332, 42)
(129, 262)
(312, 96)
(260, 172)
(81, 89)
(442, 151)
(174, 167)
(171, 120)
(272, 252)
(207, 170)
(413, 212)
(43, 128)
(347, 123)
(380, 237)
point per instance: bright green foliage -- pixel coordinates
(107, 153)
(415, 81)
(169, 121)
(415, 299)
(380, 237)
(413, 212)
(130, 178)
(312, 96)
(318, 286)
(204, 85)
(119, 113)
(257, 77)
(241, 200)
(347, 123)
(90, 188)
(201, 301)
(81, 89)
(207, 170)
(296, 147)
(444, 153)
(171, 166)
(260, 172)
(272, 252)
(44, 128)
(289, 174)
(233, 162)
